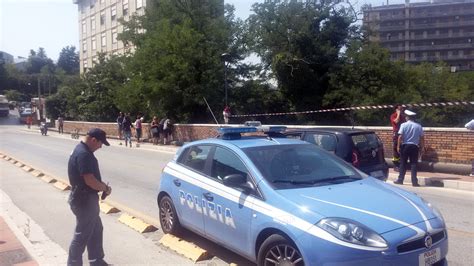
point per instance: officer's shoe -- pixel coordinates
(398, 182)
(99, 262)
(416, 185)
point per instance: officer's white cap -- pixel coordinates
(410, 113)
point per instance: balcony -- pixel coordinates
(441, 58)
(437, 47)
(443, 36)
(448, 13)
(438, 25)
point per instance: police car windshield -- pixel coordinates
(289, 166)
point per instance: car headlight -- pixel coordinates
(433, 209)
(352, 232)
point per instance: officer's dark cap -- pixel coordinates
(99, 134)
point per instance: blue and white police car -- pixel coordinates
(279, 201)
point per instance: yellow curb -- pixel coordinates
(107, 209)
(48, 179)
(187, 249)
(19, 164)
(27, 168)
(61, 186)
(37, 173)
(7, 158)
(13, 161)
(136, 223)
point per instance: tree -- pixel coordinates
(13, 95)
(300, 41)
(69, 60)
(178, 58)
(38, 60)
(99, 90)
(367, 77)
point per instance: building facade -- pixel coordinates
(99, 27)
(440, 30)
(6, 58)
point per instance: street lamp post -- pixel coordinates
(225, 58)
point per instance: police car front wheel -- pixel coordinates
(168, 218)
(278, 250)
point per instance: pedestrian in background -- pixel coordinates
(86, 182)
(29, 121)
(167, 129)
(138, 129)
(60, 125)
(155, 132)
(470, 126)
(161, 124)
(127, 130)
(396, 119)
(120, 126)
(410, 143)
(226, 114)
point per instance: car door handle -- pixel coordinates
(177, 182)
(208, 196)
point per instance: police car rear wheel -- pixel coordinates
(168, 218)
(278, 250)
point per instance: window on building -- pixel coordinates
(125, 7)
(84, 27)
(93, 23)
(139, 4)
(102, 17)
(84, 64)
(114, 36)
(93, 43)
(113, 12)
(103, 39)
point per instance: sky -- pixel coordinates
(53, 24)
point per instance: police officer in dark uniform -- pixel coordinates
(86, 182)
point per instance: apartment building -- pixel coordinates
(440, 30)
(99, 27)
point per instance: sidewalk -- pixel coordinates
(431, 179)
(12, 251)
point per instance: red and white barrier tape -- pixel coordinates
(370, 107)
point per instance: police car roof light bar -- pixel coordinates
(230, 133)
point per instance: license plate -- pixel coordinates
(429, 257)
(376, 173)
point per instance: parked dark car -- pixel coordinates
(361, 148)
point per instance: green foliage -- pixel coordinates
(13, 95)
(38, 60)
(177, 61)
(301, 42)
(69, 60)
(368, 77)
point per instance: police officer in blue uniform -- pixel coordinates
(86, 182)
(411, 138)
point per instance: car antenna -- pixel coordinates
(211, 111)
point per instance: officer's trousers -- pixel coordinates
(88, 232)
(408, 152)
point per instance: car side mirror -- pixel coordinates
(239, 181)
(235, 180)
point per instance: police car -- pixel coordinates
(281, 201)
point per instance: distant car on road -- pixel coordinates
(26, 112)
(283, 201)
(362, 148)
